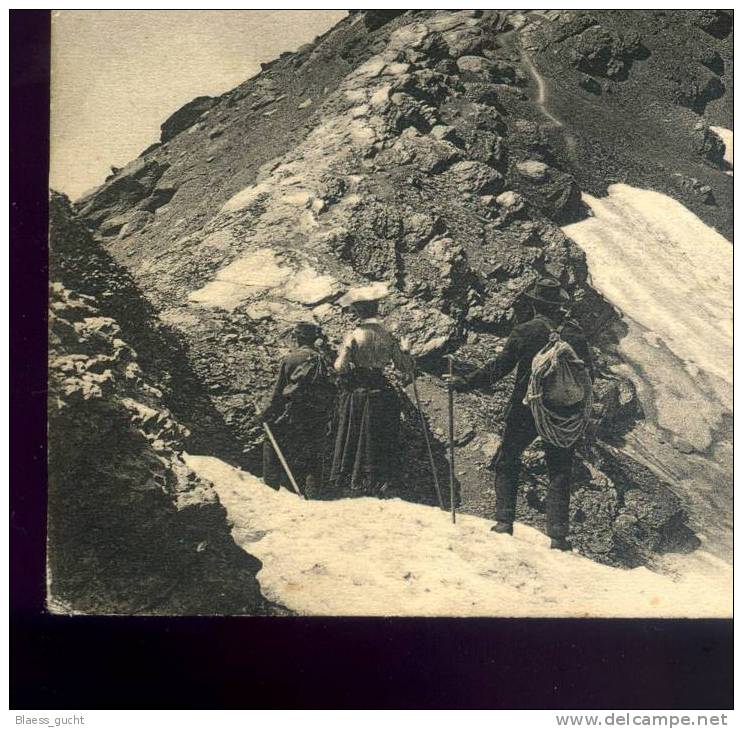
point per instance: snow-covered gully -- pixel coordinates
(370, 557)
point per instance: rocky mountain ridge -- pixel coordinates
(132, 529)
(421, 148)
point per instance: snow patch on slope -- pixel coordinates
(727, 139)
(671, 275)
(261, 272)
(370, 557)
(247, 276)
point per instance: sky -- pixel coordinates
(118, 74)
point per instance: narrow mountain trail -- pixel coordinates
(541, 98)
(542, 93)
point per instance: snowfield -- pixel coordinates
(393, 558)
(672, 277)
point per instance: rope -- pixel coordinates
(561, 431)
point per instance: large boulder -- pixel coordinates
(476, 178)
(552, 191)
(427, 331)
(466, 41)
(428, 155)
(696, 88)
(533, 169)
(185, 117)
(599, 51)
(717, 23)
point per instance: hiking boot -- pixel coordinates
(560, 543)
(502, 527)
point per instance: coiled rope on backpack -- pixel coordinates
(561, 431)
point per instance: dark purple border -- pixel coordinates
(92, 663)
(29, 154)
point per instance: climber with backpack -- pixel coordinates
(298, 413)
(552, 399)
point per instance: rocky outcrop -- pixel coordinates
(131, 528)
(84, 267)
(697, 89)
(717, 23)
(599, 51)
(620, 512)
(185, 117)
(710, 146)
(422, 162)
(554, 192)
(614, 79)
(114, 204)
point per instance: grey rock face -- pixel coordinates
(599, 51)
(185, 117)
(132, 530)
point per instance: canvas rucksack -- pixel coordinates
(559, 380)
(311, 385)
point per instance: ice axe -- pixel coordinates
(279, 454)
(428, 441)
(450, 387)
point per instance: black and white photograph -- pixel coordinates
(390, 313)
(430, 316)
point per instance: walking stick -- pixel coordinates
(451, 439)
(428, 442)
(280, 455)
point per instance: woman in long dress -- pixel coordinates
(367, 418)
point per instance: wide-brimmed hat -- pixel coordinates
(360, 294)
(304, 330)
(548, 291)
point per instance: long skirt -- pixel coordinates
(367, 427)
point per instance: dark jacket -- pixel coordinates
(523, 343)
(304, 388)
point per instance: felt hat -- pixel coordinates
(548, 291)
(305, 330)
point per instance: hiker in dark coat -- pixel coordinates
(367, 417)
(299, 412)
(547, 299)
